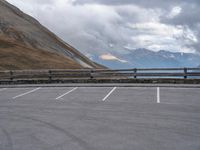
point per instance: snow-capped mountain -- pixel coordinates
(143, 58)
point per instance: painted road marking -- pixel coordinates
(109, 93)
(3, 89)
(26, 93)
(67, 93)
(158, 95)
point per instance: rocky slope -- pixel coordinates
(26, 44)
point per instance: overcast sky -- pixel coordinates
(118, 26)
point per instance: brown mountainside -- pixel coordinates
(26, 44)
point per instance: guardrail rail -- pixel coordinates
(135, 73)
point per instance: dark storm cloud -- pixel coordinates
(103, 26)
(144, 3)
(188, 16)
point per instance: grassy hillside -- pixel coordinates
(15, 57)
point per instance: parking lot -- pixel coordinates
(100, 118)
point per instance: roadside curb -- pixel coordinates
(102, 85)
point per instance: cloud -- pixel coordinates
(99, 27)
(141, 3)
(187, 14)
(157, 36)
(110, 57)
(175, 12)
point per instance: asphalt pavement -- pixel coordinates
(100, 118)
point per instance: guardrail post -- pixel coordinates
(135, 71)
(11, 75)
(91, 72)
(50, 76)
(185, 72)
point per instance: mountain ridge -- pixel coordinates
(144, 58)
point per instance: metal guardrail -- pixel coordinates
(100, 74)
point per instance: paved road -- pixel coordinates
(100, 118)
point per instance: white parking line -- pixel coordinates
(26, 93)
(109, 93)
(158, 95)
(3, 89)
(67, 93)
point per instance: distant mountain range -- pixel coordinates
(144, 58)
(26, 44)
